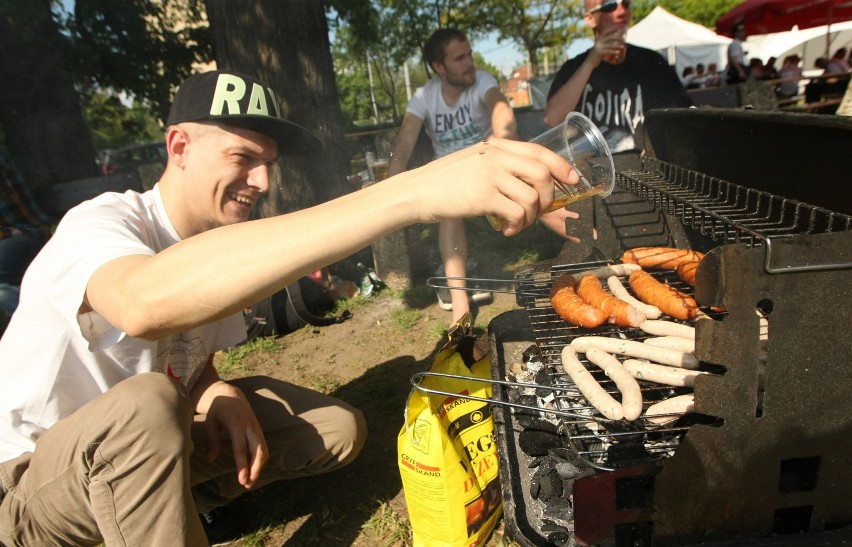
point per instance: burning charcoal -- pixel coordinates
(551, 486)
(559, 509)
(567, 471)
(535, 462)
(560, 538)
(527, 418)
(624, 454)
(556, 534)
(542, 378)
(532, 353)
(569, 465)
(535, 487)
(539, 437)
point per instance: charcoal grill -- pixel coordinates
(766, 459)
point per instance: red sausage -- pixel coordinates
(569, 305)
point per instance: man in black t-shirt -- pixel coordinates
(614, 83)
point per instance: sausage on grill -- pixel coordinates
(572, 308)
(660, 258)
(670, 301)
(686, 271)
(618, 311)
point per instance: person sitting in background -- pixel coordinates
(699, 79)
(756, 70)
(790, 74)
(687, 76)
(712, 78)
(24, 229)
(769, 70)
(459, 107)
(838, 63)
(834, 78)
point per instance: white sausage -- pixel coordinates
(606, 271)
(661, 374)
(619, 291)
(670, 410)
(589, 387)
(667, 328)
(632, 348)
(672, 342)
(631, 395)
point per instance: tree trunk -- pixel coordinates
(286, 43)
(535, 69)
(45, 130)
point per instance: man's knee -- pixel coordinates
(156, 403)
(353, 433)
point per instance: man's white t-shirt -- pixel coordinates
(53, 359)
(452, 128)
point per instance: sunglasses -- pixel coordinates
(610, 6)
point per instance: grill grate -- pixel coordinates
(731, 213)
(596, 438)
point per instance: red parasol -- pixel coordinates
(767, 16)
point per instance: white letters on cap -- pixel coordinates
(231, 89)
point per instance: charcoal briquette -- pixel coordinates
(551, 487)
(560, 538)
(535, 442)
(535, 487)
(559, 508)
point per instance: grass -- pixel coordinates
(405, 319)
(386, 528)
(235, 357)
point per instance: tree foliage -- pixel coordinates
(141, 48)
(114, 124)
(533, 25)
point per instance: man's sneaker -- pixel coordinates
(481, 296)
(445, 302)
(219, 527)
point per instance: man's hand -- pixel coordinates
(608, 42)
(229, 416)
(510, 180)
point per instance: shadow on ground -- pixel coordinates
(333, 508)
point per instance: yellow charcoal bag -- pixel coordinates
(447, 454)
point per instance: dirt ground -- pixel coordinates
(368, 361)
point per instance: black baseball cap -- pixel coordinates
(236, 99)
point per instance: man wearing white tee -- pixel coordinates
(460, 107)
(115, 427)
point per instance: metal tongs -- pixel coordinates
(418, 377)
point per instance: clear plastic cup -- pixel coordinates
(618, 57)
(580, 142)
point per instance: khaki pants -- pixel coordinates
(122, 469)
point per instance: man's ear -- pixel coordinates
(438, 68)
(176, 142)
(590, 20)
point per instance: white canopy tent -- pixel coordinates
(809, 44)
(682, 42)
